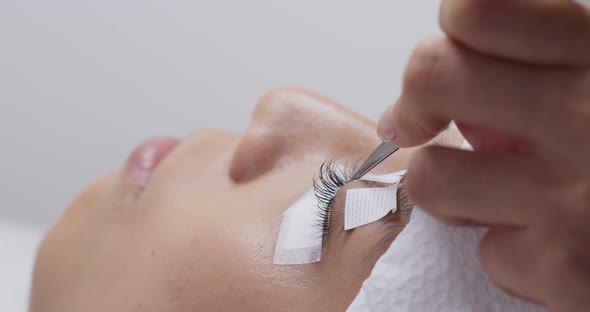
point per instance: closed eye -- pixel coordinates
(331, 178)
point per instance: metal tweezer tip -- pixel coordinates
(384, 150)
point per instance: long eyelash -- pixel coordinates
(330, 178)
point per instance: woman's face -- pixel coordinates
(191, 225)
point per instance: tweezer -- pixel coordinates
(381, 153)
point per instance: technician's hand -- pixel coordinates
(515, 76)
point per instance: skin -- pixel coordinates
(515, 77)
(191, 225)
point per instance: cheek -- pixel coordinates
(195, 260)
(78, 240)
(77, 265)
(214, 254)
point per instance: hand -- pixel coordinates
(515, 77)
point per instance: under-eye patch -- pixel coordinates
(298, 241)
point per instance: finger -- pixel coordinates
(507, 256)
(485, 188)
(444, 82)
(534, 31)
(489, 141)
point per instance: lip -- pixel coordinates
(145, 159)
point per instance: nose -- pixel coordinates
(291, 125)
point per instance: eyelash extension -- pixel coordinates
(330, 178)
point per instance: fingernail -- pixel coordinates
(385, 126)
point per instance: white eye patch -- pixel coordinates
(300, 242)
(367, 205)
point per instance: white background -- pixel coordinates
(83, 82)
